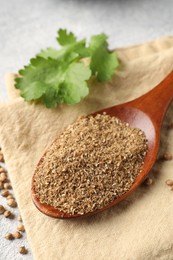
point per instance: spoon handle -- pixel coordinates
(155, 103)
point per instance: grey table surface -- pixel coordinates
(28, 26)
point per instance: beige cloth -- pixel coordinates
(139, 228)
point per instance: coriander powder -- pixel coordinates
(93, 162)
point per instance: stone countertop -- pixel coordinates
(28, 26)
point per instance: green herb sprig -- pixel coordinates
(61, 76)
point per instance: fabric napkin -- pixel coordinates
(140, 227)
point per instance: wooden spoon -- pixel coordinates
(146, 113)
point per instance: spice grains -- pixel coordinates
(93, 162)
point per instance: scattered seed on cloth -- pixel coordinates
(19, 218)
(5, 193)
(4, 186)
(10, 197)
(9, 236)
(3, 176)
(21, 228)
(2, 209)
(12, 203)
(23, 250)
(167, 156)
(7, 185)
(148, 181)
(8, 214)
(169, 182)
(17, 235)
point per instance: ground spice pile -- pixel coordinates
(94, 161)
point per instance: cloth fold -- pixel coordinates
(140, 227)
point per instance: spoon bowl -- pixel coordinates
(146, 113)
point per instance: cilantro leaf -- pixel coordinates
(49, 53)
(75, 83)
(103, 63)
(65, 38)
(65, 54)
(58, 76)
(68, 53)
(53, 82)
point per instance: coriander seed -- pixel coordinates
(17, 235)
(7, 185)
(1, 158)
(2, 209)
(8, 214)
(5, 193)
(3, 176)
(2, 169)
(23, 250)
(21, 228)
(9, 236)
(167, 156)
(169, 182)
(148, 181)
(12, 203)
(19, 218)
(1, 185)
(10, 197)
